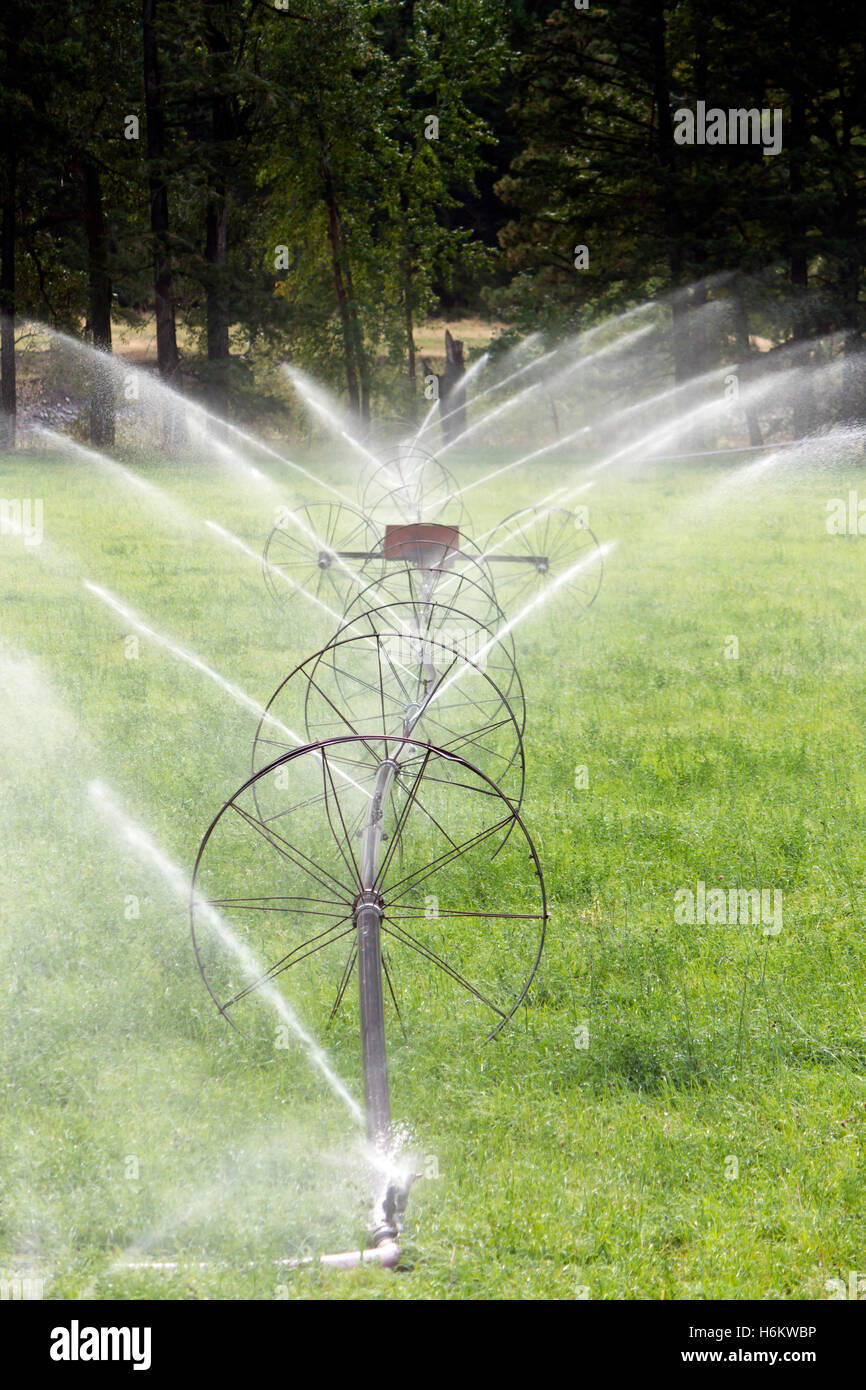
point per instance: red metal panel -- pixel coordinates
(422, 543)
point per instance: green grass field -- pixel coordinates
(707, 1140)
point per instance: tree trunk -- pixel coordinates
(671, 214)
(102, 417)
(680, 347)
(697, 342)
(701, 435)
(216, 253)
(8, 389)
(452, 392)
(453, 398)
(852, 378)
(163, 282)
(358, 336)
(803, 412)
(847, 221)
(411, 367)
(407, 271)
(340, 288)
(8, 384)
(223, 131)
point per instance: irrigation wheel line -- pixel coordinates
(338, 856)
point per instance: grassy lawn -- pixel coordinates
(677, 1112)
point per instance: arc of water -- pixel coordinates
(191, 659)
(756, 390)
(245, 549)
(547, 593)
(289, 463)
(755, 469)
(159, 495)
(146, 847)
(120, 367)
(582, 338)
(309, 393)
(104, 461)
(571, 369)
(230, 455)
(506, 381)
(752, 448)
(182, 654)
(617, 416)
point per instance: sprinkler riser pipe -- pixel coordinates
(374, 1056)
(368, 918)
(372, 840)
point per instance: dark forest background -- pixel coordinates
(261, 181)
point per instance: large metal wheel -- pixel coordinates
(397, 682)
(322, 552)
(411, 485)
(541, 546)
(461, 583)
(284, 879)
(456, 629)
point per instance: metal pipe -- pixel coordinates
(368, 918)
(368, 912)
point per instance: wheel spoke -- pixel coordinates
(290, 852)
(410, 882)
(401, 935)
(293, 958)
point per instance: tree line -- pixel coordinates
(317, 178)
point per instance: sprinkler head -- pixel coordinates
(390, 1209)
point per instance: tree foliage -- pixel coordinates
(312, 178)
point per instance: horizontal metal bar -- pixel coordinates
(452, 556)
(518, 559)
